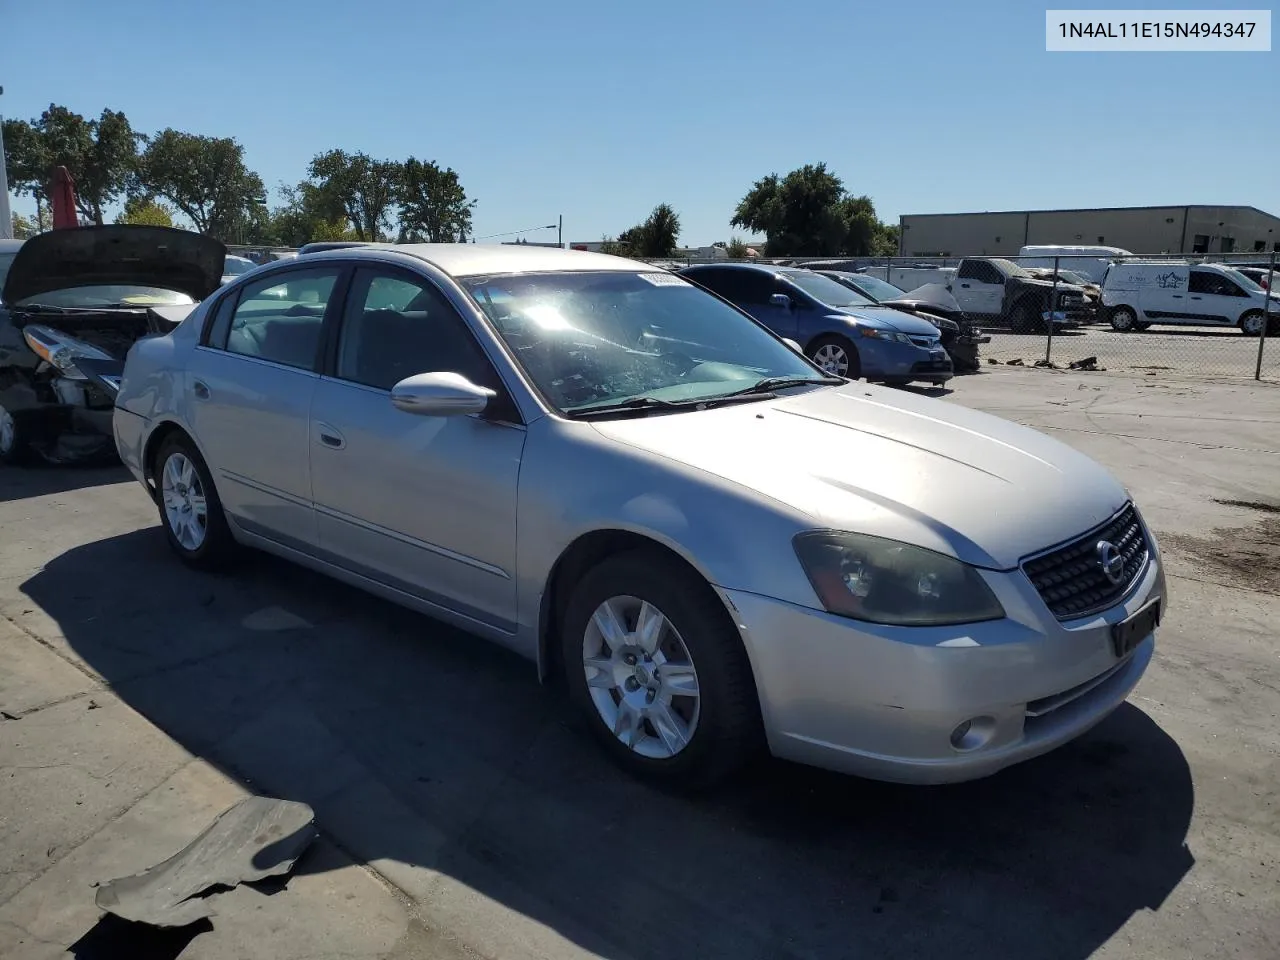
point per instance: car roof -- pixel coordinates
(769, 268)
(477, 259)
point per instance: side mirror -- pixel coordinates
(440, 395)
(780, 300)
(792, 344)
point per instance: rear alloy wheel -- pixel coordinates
(1023, 318)
(13, 440)
(655, 665)
(1123, 319)
(1251, 323)
(836, 355)
(190, 510)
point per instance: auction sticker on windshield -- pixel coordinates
(1152, 31)
(665, 279)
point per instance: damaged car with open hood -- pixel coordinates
(73, 302)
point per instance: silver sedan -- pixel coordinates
(625, 478)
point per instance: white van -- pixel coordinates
(1139, 293)
(1092, 262)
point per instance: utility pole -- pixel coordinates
(6, 216)
(560, 232)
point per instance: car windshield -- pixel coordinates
(595, 339)
(113, 295)
(234, 266)
(825, 290)
(1072, 277)
(1247, 282)
(877, 288)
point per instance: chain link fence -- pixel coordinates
(1208, 316)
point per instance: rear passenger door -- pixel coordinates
(248, 397)
(424, 505)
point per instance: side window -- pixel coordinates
(279, 318)
(713, 280)
(1206, 281)
(216, 335)
(396, 326)
(752, 287)
(968, 270)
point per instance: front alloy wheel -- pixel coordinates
(13, 443)
(190, 510)
(641, 677)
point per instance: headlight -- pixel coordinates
(877, 334)
(884, 581)
(61, 350)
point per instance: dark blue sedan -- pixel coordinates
(840, 330)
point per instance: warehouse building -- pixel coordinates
(1187, 229)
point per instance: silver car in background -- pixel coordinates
(624, 478)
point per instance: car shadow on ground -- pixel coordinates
(419, 746)
(41, 479)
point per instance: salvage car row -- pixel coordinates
(614, 471)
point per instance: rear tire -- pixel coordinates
(654, 664)
(1123, 319)
(190, 510)
(837, 355)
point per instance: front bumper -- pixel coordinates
(903, 362)
(884, 702)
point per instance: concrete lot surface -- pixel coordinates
(463, 814)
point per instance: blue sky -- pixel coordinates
(599, 110)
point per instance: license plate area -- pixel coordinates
(1129, 633)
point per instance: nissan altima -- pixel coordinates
(633, 483)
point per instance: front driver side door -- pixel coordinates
(425, 505)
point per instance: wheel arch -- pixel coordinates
(159, 433)
(586, 551)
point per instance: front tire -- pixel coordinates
(659, 673)
(1251, 323)
(836, 355)
(190, 510)
(1023, 318)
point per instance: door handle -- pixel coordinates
(200, 389)
(329, 436)
(1197, 298)
(965, 285)
(1176, 296)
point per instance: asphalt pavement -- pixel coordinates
(463, 813)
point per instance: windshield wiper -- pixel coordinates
(770, 384)
(647, 404)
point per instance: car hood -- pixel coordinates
(180, 260)
(881, 316)
(893, 464)
(929, 295)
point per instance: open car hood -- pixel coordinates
(180, 260)
(931, 294)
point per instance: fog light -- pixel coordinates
(973, 733)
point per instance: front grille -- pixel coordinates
(925, 342)
(1070, 579)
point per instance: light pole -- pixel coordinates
(6, 216)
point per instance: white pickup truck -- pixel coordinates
(1000, 291)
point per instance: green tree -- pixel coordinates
(100, 154)
(809, 212)
(736, 249)
(145, 211)
(800, 213)
(24, 227)
(364, 189)
(655, 237)
(204, 177)
(433, 206)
